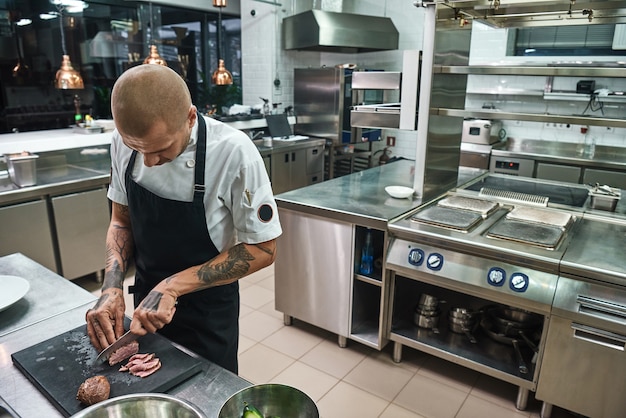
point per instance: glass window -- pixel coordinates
(103, 40)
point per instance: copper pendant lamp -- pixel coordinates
(67, 77)
(221, 76)
(153, 57)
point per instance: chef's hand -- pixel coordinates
(105, 321)
(153, 313)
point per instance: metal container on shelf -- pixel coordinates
(22, 168)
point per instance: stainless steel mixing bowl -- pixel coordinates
(271, 400)
(142, 405)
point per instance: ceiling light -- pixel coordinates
(221, 76)
(66, 77)
(24, 22)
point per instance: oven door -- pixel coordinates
(584, 362)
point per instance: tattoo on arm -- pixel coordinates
(101, 301)
(266, 250)
(119, 246)
(234, 267)
(151, 302)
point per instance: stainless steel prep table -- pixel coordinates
(324, 230)
(49, 294)
(208, 390)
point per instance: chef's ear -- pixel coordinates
(191, 117)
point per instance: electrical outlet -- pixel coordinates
(391, 141)
(609, 130)
(564, 126)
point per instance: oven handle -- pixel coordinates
(591, 305)
(598, 336)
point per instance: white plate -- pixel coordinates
(12, 289)
(399, 192)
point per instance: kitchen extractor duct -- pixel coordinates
(529, 13)
(319, 30)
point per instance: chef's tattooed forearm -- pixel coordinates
(267, 250)
(151, 302)
(234, 267)
(101, 301)
(118, 244)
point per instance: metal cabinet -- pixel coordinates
(313, 271)
(295, 168)
(558, 172)
(81, 221)
(612, 178)
(26, 230)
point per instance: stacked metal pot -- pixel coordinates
(427, 312)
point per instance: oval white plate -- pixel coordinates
(12, 289)
(399, 192)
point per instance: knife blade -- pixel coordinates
(104, 355)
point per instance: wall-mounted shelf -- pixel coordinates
(608, 71)
(531, 117)
(556, 71)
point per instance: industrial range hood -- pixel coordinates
(528, 13)
(319, 30)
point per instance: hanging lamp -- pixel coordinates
(67, 77)
(153, 57)
(221, 76)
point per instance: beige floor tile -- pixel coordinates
(394, 411)
(412, 360)
(475, 407)
(430, 398)
(258, 325)
(379, 378)
(270, 310)
(260, 364)
(328, 357)
(449, 373)
(311, 381)
(292, 341)
(244, 344)
(267, 283)
(245, 310)
(255, 296)
(495, 391)
(347, 401)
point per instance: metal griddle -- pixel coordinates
(457, 219)
(59, 365)
(541, 235)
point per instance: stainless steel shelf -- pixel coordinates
(618, 72)
(531, 117)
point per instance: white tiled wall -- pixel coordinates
(489, 46)
(264, 60)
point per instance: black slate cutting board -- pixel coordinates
(59, 365)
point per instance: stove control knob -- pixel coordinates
(519, 282)
(496, 276)
(435, 261)
(416, 257)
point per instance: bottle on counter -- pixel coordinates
(587, 147)
(367, 255)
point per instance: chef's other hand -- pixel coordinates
(153, 313)
(105, 321)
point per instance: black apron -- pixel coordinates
(171, 236)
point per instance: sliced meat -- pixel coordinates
(123, 353)
(148, 372)
(142, 365)
(93, 390)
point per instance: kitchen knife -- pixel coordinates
(127, 338)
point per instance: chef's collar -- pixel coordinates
(193, 140)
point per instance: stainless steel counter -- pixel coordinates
(563, 152)
(360, 197)
(49, 294)
(65, 311)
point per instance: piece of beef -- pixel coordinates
(123, 353)
(93, 390)
(148, 370)
(136, 359)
